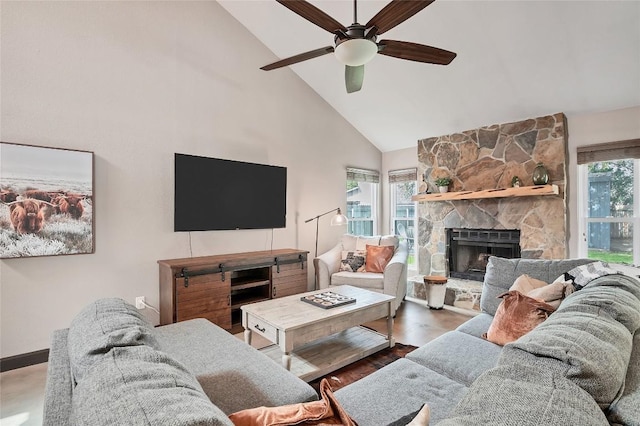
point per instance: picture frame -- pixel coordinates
(46, 201)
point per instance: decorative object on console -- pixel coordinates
(515, 182)
(540, 175)
(45, 201)
(443, 184)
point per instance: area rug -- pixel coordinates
(362, 368)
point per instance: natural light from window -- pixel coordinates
(361, 207)
(403, 216)
(611, 211)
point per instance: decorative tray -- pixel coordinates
(327, 300)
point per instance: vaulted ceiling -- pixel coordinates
(515, 60)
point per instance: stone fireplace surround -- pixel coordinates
(488, 158)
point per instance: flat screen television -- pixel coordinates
(216, 194)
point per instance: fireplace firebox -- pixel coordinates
(468, 250)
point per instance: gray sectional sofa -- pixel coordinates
(111, 367)
(581, 366)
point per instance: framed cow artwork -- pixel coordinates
(46, 201)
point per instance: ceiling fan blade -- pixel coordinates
(313, 15)
(298, 58)
(395, 13)
(415, 52)
(353, 77)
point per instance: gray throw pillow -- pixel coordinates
(138, 385)
(102, 325)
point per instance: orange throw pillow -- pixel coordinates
(516, 316)
(378, 257)
(326, 411)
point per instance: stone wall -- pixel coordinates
(488, 158)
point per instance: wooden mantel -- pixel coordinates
(523, 191)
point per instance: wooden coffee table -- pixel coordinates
(311, 341)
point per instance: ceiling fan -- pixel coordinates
(357, 44)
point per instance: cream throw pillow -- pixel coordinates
(553, 293)
(524, 284)
(361, 243)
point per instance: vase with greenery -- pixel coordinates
(443, 184)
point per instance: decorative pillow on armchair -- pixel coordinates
(363, 241)
(353, 261)
(378, 257)
(516, 316)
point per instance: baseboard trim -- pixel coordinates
(23, 360)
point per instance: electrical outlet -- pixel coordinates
(140, 302)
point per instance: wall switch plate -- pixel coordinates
(140, 302)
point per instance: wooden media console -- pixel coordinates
(216, 287)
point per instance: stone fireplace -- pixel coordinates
(488, 158)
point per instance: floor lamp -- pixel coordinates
(337, 220)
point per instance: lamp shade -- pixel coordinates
(339, 219)
(356, 52)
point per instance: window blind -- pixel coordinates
(403, 175)
(363, 175)
(609, 151)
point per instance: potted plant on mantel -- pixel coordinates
(443, 184)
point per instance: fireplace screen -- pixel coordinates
(469, 250)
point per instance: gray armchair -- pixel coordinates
(393, 281)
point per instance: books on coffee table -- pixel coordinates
(327, 299)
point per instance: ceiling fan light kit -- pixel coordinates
(356, 52)
(356, 44)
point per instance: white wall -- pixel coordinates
(590, 129)
(135, 82)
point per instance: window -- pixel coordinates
(402, 186)
(610, 204)
(362, 201)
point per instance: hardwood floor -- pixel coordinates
(22, 390)
(416, 324)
